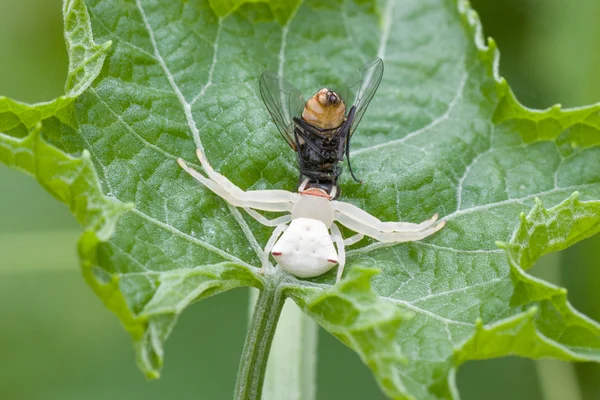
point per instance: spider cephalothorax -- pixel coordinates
(306, 246)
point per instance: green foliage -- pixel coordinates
(443, 134)
(550, 328)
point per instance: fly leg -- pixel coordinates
(311, 128)
(345, 141)
(301, 183)
(314, 146)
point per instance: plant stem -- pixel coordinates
(261, 330)
(557, 379)
(291, 370)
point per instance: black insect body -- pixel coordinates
(319, 130)
(320, 152)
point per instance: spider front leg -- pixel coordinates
(265, 200)
(388, 232)
(349, 211)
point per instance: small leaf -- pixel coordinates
(362, 320)
(70, 178)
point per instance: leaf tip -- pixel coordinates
(492, 45)
(538, 203)
(575, 197)
(523, 218)
(531, 311)
(86, 155)
(105, 46)
(152, 375)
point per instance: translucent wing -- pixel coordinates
(283, 101)
(364, 85)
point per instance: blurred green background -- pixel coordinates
(57, 341)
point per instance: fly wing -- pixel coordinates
(283, 101)
(365, 85)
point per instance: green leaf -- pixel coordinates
(360, 319)
(443, 134)
(71, 178)
(550, 327)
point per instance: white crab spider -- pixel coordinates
(306, 247)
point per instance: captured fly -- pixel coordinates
(319, 130)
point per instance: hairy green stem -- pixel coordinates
(292, 366)
(292, 369)
(261, 330)
(558, 379)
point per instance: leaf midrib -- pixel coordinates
(187, 109)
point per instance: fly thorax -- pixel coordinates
(314, 207)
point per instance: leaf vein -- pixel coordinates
(412, 307)
(518, 200)
(284, 33)
(130, 128)
(212, 65)
(445, 116)
(187, 109)
(190, 238)
(386, 28)
(458, 290)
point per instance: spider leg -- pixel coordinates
(401, 237)
(346, 212)
(386, 232)
(272, 240)
(334, 192)
(336, 236)
(353, 239)
(267, 196)
(284, 219)
(266, 200)
(303, 185)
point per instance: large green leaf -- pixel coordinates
(443, 134)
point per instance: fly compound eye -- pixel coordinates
(333, 99)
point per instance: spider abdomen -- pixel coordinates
(305, 249)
